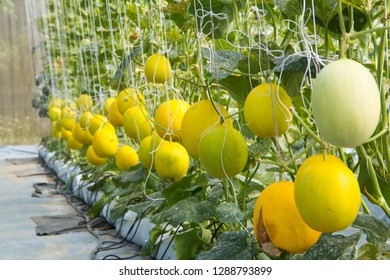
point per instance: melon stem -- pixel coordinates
(343, 38)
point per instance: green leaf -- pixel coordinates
(359, 22)
(292, 71)
(332, 247)
(367, 186)
(137, 15)
(222, 44)
(215, 16)
(117, 212)
(377, 231)
(176, 7)
(147, 249)
(190, 209)
(325, 10)
(188, 243)
(184, 21)
(130, 177)
(362, 5)
(239, 86)
(298, 64)
(216, 191)
(180, 190)
(173, 36)
(232, 246)
(154, 236)
(152, 182)
(292, 82)
(220, 61)
(368, 251)
(264, 176)
(228, 212)
(290, 7)
(250, 64)
(97, 207)
(261, 147)
(154, 201)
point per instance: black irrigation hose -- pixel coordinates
(126, 238)
(119, 258)
(123, 242)
(81, 212)
(120, 226)
(170, 242)
(161, 236)
(138, 221)
(215, 232)
(85, 217)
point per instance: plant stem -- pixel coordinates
(225, 183)
(326, 55)
(247, 181)
(352, 25)
(378, 199)
(303, 152)
(221, 117)
(383, 132)
(343, 38)
(365, 207)
(355, 35)
(384, 113)
(191, 82)
(308, 129)
(342, 154)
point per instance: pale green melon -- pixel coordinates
(345, 103)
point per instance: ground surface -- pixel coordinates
(38, 223)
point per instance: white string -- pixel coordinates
(48, 53)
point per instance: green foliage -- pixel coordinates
(191, 209)
(289, 7)
(340, 247)
(325, 10)
(368, 180)
(376, 230)
(332, 247)
(362, 5)
(215, 16)
(188, 243)
(6, 6)
(221, 62)
(238, 86)
(232, 246)
(228, 212)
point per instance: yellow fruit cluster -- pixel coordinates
(325, 197)
(176, 131)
